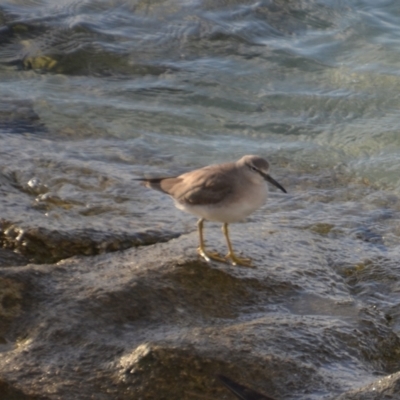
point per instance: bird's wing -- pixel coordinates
(202, 187)
(208, 185)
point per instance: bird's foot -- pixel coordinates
(246, 262)
(210, 255)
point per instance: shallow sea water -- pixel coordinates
(94, 94)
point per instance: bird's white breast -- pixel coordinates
(232, 209)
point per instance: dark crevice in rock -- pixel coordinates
(8, 392)
(40, 245)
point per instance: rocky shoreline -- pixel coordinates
(156, 322)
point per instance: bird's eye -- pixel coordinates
(253, 168)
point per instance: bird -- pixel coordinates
(223, 193)
(240, 391)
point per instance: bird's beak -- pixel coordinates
(274, 182)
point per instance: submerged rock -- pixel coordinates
(19, 116)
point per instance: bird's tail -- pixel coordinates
(152, 183)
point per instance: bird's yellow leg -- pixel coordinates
(234, 258)
(202, 249)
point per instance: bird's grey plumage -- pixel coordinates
(223, 192)
(258, 162)
(208, 185)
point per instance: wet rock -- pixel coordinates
(8, 392)
(185, 373)
(9, 258)
(41, 245)
(242, 392)
(156, 322)
(11, 296)
(387, 387)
